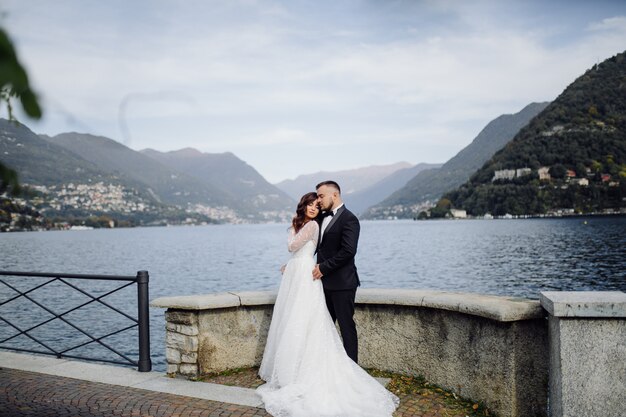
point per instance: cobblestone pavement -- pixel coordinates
(24, 393)
(32, 394)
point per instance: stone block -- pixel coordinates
(182, 329)
(189, 357)
(172, 369)
(584, 303)
(172, 355)
(189, 318)
(188, 370)
(181, 342)
(254, 298)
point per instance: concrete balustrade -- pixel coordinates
(491, 349)
(504, 352)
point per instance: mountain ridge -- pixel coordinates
(429, 185)
(228, 174)
(350, 180)
(362, 199)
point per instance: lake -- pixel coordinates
(502, 257)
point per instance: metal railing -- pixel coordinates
(144, 364)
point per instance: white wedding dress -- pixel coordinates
(305, 365)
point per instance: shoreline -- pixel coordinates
(511, 217)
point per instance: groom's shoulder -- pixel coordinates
(349, 214)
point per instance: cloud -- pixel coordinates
(423, 77)
(617, 23)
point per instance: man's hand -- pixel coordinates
(317, 274)
(282, 269)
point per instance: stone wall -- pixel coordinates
(587, 353)
(504, 364)
(490, 349)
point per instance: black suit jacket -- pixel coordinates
(336, 251)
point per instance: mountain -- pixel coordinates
(68, 189)
(571, 157)
(351, 180)
(165, 184)
(81, 175)
(377, 192)
(429, 185)
(228, 174)
(40, 162)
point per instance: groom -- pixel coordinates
(339, 236)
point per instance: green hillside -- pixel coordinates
(571, 157)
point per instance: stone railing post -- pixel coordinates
(587, 333)
(181, 342)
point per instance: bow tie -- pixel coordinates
(328, 213)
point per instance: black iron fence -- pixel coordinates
(144, 363)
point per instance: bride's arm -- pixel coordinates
(308, 233)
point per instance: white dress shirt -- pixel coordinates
(327, 220)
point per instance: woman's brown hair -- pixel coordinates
(299, 219)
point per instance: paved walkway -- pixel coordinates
(48, 387)
(24, 393)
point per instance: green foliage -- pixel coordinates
(14, 83)
(558, 171)
(442, 209)
(8, 181)
(14, 80)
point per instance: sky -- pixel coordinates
(296, 87)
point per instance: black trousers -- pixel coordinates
(340, 305)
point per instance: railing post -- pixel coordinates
(145, 363)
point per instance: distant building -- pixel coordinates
(570, 174)
(583, 182)
(503, 174)
(606, 177)
(509, 174)
(544, 173)
(458, 214)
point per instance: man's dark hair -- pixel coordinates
(329, 183)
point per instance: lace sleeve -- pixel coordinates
(308, 233)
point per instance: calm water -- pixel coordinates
(504, 257)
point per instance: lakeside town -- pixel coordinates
(111, 205)
(85, 206)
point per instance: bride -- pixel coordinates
(305, 365)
